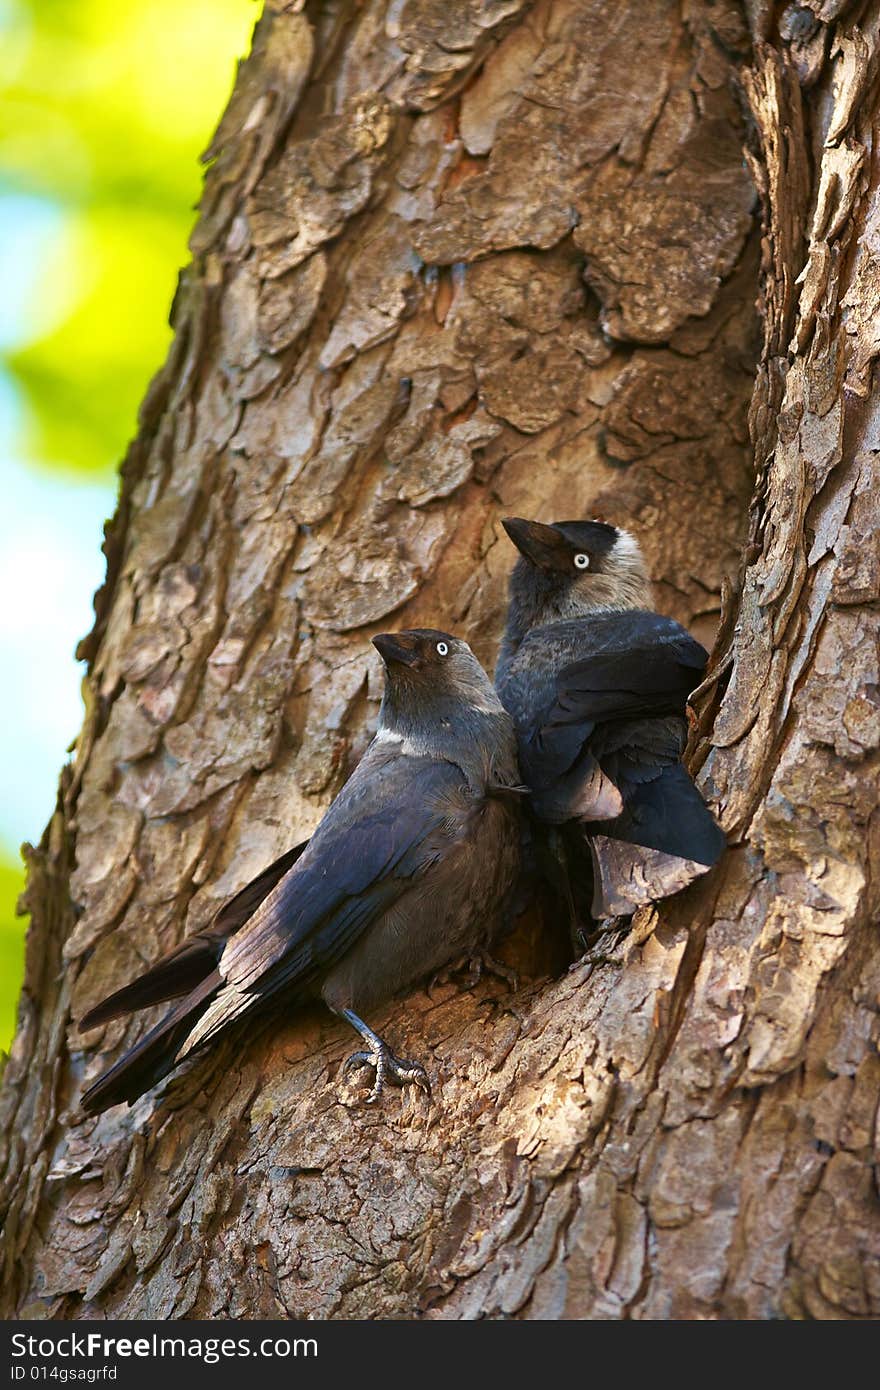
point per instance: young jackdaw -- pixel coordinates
(597, 685)
(410, 869)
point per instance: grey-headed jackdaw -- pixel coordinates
(410, 869)
(597, 685)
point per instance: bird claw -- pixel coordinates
(609, 926)
(486, 964)
(476, 966)
(597, 958)
(357, 1059)
(398, 1070)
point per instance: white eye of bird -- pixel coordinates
(442, 649)
(581, 561)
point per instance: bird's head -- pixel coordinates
(573, 568)
(429, 673)
(440, 703)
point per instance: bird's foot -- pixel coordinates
(378, 1054)
(399, 1070)
(471, 969)
(598, 958)
(486, 964)
(608, 929)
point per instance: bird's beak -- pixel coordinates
(540, 544)
(398, 647)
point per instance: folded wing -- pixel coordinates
(385, 827)
(642, 675)
(601, 745)
(316, 915)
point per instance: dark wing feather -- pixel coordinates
(600, 710)
(153, 1057)
(647, 681)
(346, 882)
(389, 822)
(665, 812)
(184, 967)
(245, 903)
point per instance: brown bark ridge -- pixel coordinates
(456, 261)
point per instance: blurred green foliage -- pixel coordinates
(105, 106)
(11, 946)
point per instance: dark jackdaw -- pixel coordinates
(410, 869)
(597, 685)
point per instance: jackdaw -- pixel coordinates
(410, 869)
(597, 685)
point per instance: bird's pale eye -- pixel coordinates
(581, 561)
(442, 649)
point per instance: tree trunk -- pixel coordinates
(455, 262)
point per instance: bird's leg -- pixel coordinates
(378, 1054)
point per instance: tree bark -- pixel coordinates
(455, 262)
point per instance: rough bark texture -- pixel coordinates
(456, 261)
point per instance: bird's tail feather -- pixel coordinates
(666, 812)
(183, 969)
(178, 973)
(153, 1057)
